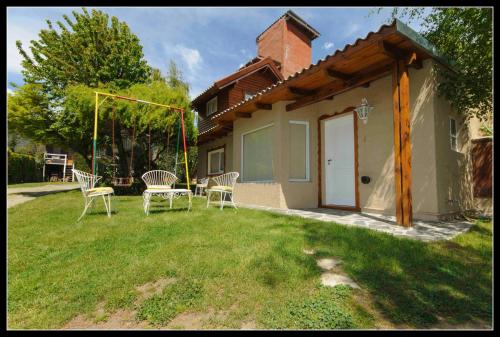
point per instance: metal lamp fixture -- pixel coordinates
(363, 110)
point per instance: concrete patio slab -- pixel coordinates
(421, 230)
(331, 280)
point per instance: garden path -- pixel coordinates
(19, 195)
(421, 230)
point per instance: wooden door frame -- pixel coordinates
(322, 118)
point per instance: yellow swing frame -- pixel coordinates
(106, 96)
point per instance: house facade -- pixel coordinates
(300, 142)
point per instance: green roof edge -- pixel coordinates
(424, 44)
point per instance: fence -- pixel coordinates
(482, 158)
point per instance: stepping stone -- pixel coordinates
(309, 251)
(331, 280)
(327, 264)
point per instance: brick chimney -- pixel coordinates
(288, 41)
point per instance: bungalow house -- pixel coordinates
(299, 137)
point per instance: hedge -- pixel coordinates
(23, 168)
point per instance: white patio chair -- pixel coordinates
(200, 186)
(224, 184)
(87, 183)
(159, 179)
(158, 182)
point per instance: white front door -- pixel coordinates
(339, 161)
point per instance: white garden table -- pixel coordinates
(166, 193)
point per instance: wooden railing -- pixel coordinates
(204, 125)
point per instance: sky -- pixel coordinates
(207, 43)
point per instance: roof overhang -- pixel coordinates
(238, 75)
(366, 60)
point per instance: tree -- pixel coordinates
(88, 50)
(32, 116)
(156, 75)
(465, 36)
(85, 54)
(56, 105)
(175, 78)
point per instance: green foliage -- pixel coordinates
(175, 78)
(80, 163)
(327, 308)
(161, 309)
(89, 50)
(72, 125)
(30, 115)
(23, 168)
(487, 130)
(465, 36)
(13, 139)
(73, 60)
(77, 121)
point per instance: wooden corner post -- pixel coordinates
(402, 143)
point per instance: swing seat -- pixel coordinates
(123, 181)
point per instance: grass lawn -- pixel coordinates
(234, 267)
(43, 183)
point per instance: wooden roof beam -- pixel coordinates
(335, 88)
(243, 114)
(301, 92)
(263, 106)
(392, 51)
(413, 61)
(338, 75)
(410, 57)
(224, 123)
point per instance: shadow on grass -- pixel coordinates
(41, 193)
(281, 264)
(100, 213)
(413, 283)
(167, 210)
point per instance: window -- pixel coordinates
(298, 149)
(212, 106)
(453, 134)
(257, 155)
(215, 161)
(248, 94)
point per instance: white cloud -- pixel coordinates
(352, 28)
(10, 91)
(191, 57)
(25, 32)
(327, 45)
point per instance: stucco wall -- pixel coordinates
(423, 156)
(454, 169)
(437, 172)
(484, 206)
(300, 194)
